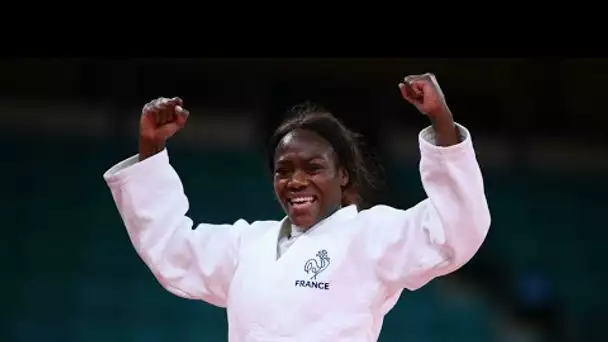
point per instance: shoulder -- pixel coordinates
(378, 209)
(255, 228)
(264, 225)
(385, 224)
(380, 213)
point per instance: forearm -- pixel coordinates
(149, 148)
(457, 205)
(446, 132)
(190, 263)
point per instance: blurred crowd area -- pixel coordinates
(539, 127)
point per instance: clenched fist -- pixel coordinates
(160, 120)
(424, 93)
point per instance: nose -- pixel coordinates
(298, 180)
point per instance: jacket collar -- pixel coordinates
(342, 214)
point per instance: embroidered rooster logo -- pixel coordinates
(317, 265)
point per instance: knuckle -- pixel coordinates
(430, 76)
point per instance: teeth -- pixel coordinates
(302, 199)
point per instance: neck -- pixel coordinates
(327, 214)
(330, 212)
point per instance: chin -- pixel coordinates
(304, 216)
(303, 222)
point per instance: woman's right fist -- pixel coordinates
(161, 119)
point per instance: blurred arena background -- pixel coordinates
(71, 274)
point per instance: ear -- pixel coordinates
(344, 177)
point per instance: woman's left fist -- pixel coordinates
(424, 93)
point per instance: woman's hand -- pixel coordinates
(424, 93)
(160, 119)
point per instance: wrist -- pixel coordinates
(148, 148)
(442, 114)
(446, 132)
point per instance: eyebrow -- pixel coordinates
(309, 159)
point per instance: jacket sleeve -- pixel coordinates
(443, 232)
(191, 263)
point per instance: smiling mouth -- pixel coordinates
(302, 202)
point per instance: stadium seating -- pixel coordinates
(79, 278)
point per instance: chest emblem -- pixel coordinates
(313, 267)
(317, 265)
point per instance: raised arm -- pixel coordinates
(191, 263)
(444, 231)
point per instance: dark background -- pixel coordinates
(539, 126)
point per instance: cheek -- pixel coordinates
(278, 186)
(329, 186)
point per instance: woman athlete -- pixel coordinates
(328, 271)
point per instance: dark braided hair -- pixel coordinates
(363, 171)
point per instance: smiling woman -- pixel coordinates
(330, 270)
(317, 164)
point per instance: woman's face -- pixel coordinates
(307, 180)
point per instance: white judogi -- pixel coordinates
(334, 282)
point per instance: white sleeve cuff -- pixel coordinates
(131, 166)
(427, 141)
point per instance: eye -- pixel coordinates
(314, 168)
(281, 171)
